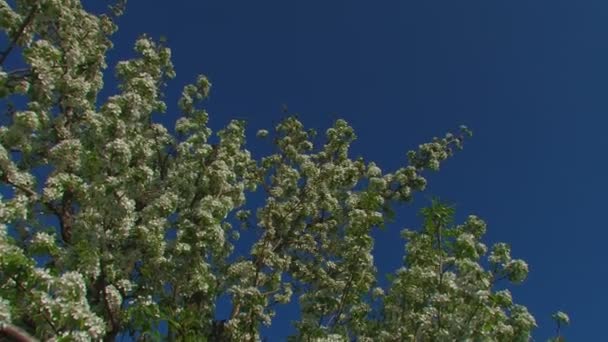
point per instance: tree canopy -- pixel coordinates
(115, 225)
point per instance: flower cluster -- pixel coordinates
(443, 291)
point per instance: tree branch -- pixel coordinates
(18, 34)
(14, 333)
(27, 190)
(439, 285)
(42, 313)
(336, 317)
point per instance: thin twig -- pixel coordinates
(18, 35)
(42, 313)
(28, 191)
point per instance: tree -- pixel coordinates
(112, 224)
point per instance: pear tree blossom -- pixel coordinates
(112, 224)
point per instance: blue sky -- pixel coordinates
(529, 77)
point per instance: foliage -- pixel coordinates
(112, 224)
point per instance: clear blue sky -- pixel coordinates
(529, 77)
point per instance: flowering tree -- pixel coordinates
(112, 225)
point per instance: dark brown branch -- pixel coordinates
(20, 72)
(18, 34)
(28, 191)
(66, 217)
(218, 331)
(111, 335)
(14, 333)
(336, 318)
(162, 162)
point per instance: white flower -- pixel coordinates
(561, 318)
(331, 338)
(119, 152)
(373, 170)
(27, 119)
(377, 292)
(113, 298)
(43, 240)
(125, 285)
(67, 153)
(262, 133)
(5, 311)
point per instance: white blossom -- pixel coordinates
(262, 133)
(5, 311)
